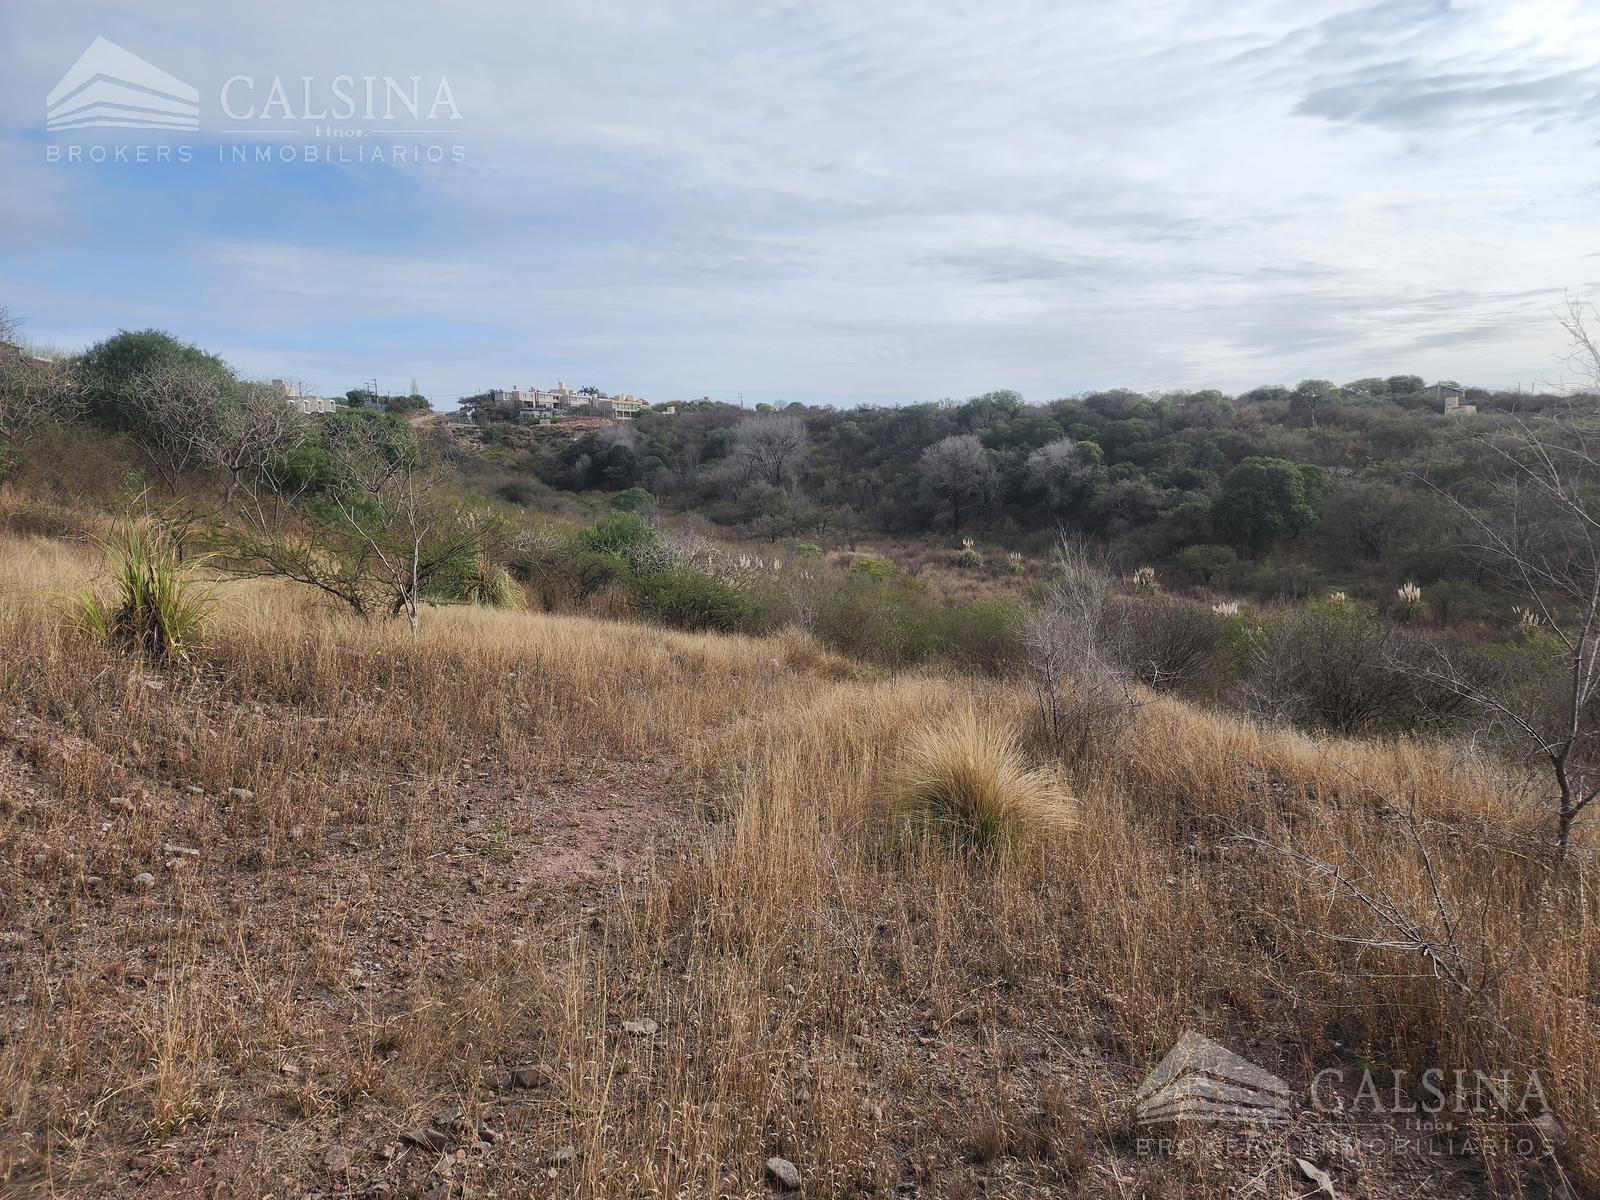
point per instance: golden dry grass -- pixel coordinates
(881, 1018)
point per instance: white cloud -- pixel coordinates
(840, 202)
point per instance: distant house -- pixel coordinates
(1449, 397)
(543, 405)
(14, 351)
(623, 408)
(309, 405)
(535, 404)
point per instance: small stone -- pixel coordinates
(180, 851)
(448, 1118)
(297, 832)
(144, 880)
(241, 793)
(640, 1026)
(1317, 1176)
(194, 789)
(427, 1139)
(784, 1174)
(155, 685)
(289, 1069)
(529, 1077)
(338, 1159)
(563, 1156)
(121, 804)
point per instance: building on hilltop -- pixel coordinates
(309, 405)
(544, 406)
(536, 404)
(622, 407)
(1449, 397)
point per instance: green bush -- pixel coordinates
(623, 533)
(475, 580)
(983, 635)
(634, 500)
(876, 569)
(897, 622)
(689, 599)
(155, 607)
(588, 572)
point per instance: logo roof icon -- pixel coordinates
(110, 87)
(1200, 1080)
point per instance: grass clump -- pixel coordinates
(474, 579)
(156, 606)
(965, 787)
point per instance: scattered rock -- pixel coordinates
(180, 851)
(447, 1119)
(144, 880)
(529, 1077)
(241, 793)
(428, 1139)
(640, 1026)
(783, 1174)
(155, 685)
(1317, 1176)
(563, 1156)
(121, 804)
(288, 1069)
(338, 1159)
(194, 789)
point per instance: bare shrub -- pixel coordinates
(1336, 668)
(1169, 643)
(33, 392)
(1532, 524)
(1083, 690)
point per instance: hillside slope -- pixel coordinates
(550, 905)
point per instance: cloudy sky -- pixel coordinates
(836, 203)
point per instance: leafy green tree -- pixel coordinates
(110, 369)
(1314, 398)
(1265, 501)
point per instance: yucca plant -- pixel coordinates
(155, 604)
(965, 787)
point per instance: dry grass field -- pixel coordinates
(544, 905)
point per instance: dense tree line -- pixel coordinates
(1279, 488)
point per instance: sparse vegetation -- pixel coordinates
(899, 863)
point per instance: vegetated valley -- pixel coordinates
(840, 803)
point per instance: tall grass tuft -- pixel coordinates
(964, 786)
(156, 605)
